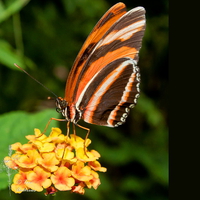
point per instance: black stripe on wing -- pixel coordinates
(112, 103)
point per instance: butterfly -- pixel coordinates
(103, 83)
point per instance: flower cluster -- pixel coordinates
(54, 162)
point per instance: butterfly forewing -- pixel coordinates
(104, 24)
(113, 45)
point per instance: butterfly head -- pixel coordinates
(68, 111)
(61, 104)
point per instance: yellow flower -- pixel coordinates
(63, 152)
(56, 136)
(86, 156)
(78, 142)
(56, 163)
(37, 137)
(44, 146)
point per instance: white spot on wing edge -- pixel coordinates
(112, 115)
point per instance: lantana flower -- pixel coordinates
(56, 163)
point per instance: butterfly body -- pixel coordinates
(103, 83)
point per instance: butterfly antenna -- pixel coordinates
(35, 80)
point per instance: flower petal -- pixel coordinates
(38, 179)
(28, 160)
(62, 179)
(81, 172)
(79, 188)
(95, 165)
(19, 180)
(49, 161)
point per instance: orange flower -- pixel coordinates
(56, 162)
(79, 188)
(19, 180)
(19, 148)
(10, 161)
(94, 182)
(38, 179)
(81, 172)
(96, 166)
(29, 160)
(62, 179)
(49, 161)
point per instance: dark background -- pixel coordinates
(44, 38)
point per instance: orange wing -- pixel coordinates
(104, 24)
(117, 35)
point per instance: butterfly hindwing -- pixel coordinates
(110, 93)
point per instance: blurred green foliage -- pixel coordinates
(44, 38)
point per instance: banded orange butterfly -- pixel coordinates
(103, 83)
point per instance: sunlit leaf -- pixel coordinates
(8, 56)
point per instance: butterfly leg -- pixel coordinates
(68, 123)
(47, 125)
(86, 137)
(74, 131)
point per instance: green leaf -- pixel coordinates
(11, 9)
(8, 56)
(14, 127)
